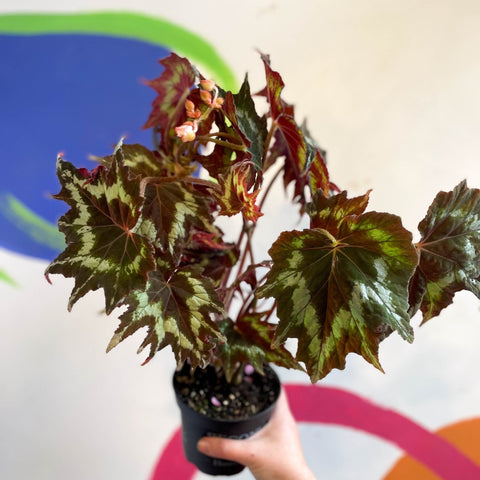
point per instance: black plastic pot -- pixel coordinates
(196, 425)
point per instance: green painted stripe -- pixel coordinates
(30, 223)
(117, 24)
(126, 25)
(5, 277)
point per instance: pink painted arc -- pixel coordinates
(339, 407)
(172, 459)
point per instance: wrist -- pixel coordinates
(301, 472)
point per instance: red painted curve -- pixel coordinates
(329, 405)
(172, 462)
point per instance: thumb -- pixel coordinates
(227, 449)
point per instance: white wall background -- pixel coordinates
(390, 89)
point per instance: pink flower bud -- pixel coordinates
(207, 85)
(215, 402)
(196, 114)
(218, 102)
(189, 106)
(206, 97)
(192, 112)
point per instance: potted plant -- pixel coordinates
(143, 225)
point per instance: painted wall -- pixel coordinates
(390, 89)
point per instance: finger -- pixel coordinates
(236, 450)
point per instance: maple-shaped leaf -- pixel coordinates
(249, 341)
(211, 253)
(104, 248)
(139, 159)
(318, 177)
(316, 166)
(340, 294)
(240, 110)
(173, 87)
(173, 208)
(177, 311)
(449, 251)
(296, 153)
(273, 91)
(234, 195)
(289, 136)
(328, 212)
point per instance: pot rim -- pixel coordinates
(276, 384)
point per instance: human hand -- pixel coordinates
(273, 453)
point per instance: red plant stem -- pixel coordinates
(269, 187)
(249, 230)
(240, 266)
(270, 133)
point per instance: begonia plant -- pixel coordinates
(143, 226)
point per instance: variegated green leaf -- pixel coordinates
(290, 139)
(328, 212)
(340, 294)
(249, 124)
(316, 165)
(249, 340)
(210, 252)
(104, 249)
(318, 174)
(273, 91)
(138, 158)
(449, 251)
(173, 209)
(177, 311)
(173, 88)
(295, 154)
(233, 194)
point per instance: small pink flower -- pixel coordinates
(215, 402)
(186, 132)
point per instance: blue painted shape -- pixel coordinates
(76, 94)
